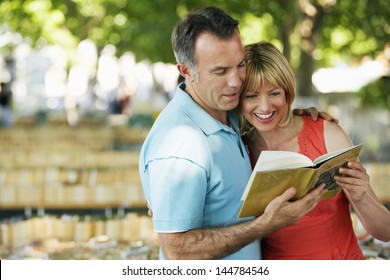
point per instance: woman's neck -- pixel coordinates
(280, 138)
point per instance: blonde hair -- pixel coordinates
(266, 64)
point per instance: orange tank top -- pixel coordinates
(326, 232)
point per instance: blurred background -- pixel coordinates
(83, 80)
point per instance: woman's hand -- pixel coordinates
(354, 179)
(371, 212)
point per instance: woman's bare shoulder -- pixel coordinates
(335, 137)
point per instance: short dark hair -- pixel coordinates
(208, 19)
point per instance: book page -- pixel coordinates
(330, 155)
(269, 184)
(273, 160)
(275, 171)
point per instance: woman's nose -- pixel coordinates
(263, 104)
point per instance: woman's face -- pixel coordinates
(264, 108)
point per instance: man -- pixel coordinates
(193, 165)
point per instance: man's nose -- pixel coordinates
(235, 79)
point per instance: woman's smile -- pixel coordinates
(265, 118)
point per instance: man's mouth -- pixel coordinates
(231, 94)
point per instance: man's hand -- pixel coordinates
(281, 211)
(216, 243)
(313, 112)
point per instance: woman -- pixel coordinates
(326, 232)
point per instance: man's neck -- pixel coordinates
(219, 115)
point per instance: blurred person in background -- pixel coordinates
(5, 105)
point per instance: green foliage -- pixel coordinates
(351, 28)
(336, 30)
(376, 94)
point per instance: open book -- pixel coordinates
(276, 171)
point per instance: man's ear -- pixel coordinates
(185, 71)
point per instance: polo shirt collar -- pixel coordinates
(205, 122)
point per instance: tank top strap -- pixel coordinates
(311, 139)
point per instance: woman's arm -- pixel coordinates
(371, 212)
(355, 183)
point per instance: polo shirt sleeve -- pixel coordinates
(178, 189)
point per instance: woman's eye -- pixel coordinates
(242, 64)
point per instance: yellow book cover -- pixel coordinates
(276, 171)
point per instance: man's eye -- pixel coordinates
(219, 72)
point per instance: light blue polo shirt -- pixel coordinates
(194, 170)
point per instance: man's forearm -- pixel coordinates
(213, 243)
(216, 243)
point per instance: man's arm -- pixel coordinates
(216, 243)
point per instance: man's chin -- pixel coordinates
(231, 105)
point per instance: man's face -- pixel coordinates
(220, 66)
